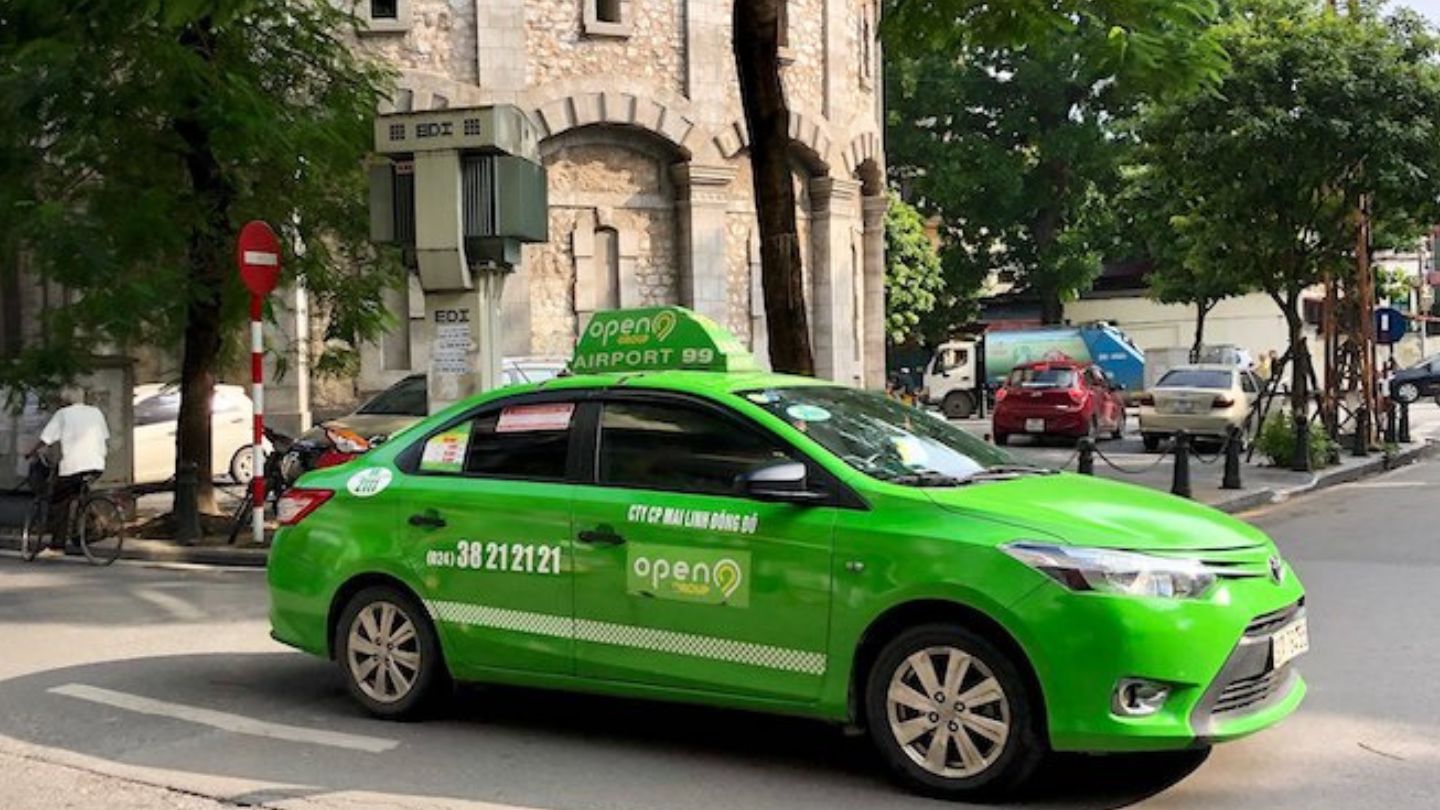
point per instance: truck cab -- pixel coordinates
(952, 379)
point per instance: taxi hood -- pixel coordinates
(1085, 511)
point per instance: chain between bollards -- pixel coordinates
(1180, 483)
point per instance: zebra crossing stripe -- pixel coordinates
(802, 662)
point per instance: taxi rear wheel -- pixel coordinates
(388, 653)
(951, 715)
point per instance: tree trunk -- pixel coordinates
(208, 261)
(1202, 309)
(757, 59)
(1299, 385)
(1052, 309)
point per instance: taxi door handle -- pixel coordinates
(428, 519)
(602, 536)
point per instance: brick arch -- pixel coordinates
(862, 148)
(662, 120)
(418, 90)
(810, 137)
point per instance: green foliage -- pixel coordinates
(1264, 175)
(139, 136)
(1006, 125)
(1393, 284)
(1277, 442)
(913, 277)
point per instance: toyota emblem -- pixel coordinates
(1277, 570)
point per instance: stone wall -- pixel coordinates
(441, 40)
(558, 47)
(804, 77)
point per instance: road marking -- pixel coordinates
(177, 608)
(225, 721)
(1389, 485)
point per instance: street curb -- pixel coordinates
(166, 552)
(1325, 480)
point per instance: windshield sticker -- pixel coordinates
(446, 451)
(700, 576)
(534, 418)
(370, 482)
(808, 413)
(700, 519)
(762, 397)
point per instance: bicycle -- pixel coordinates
(101, 521)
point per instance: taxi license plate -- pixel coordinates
(1184, 407)
(1034, 425)
(1288, 643)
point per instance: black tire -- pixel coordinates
(32, 535)
(1006, 764)
(1152, 442)
(429, 679)
(1407, 393)
(957, 405)
(1002, 439)
(102, 531)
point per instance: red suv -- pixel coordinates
(1058, 398)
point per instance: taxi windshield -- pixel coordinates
(881, 437)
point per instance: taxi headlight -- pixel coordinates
(1103, 570)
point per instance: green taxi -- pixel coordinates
(670, 522)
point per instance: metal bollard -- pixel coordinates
(1232, 459)
(1361, 446)
(1404, 423)
(187, 517)
(1180, 485)
(1087, 456)
(1390, 426)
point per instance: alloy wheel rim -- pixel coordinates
(383, 652)
(948, 712)
(1408, 392)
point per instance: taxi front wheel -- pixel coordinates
(951, 715)
(388, 653)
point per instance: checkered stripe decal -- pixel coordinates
(623, 635)
(540, 624)
(718, 649)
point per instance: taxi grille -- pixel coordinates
(1247, 692)
(1267, 623)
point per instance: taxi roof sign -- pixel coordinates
(658, 339)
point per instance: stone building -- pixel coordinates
(645, 145)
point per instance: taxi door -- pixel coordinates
(486, 511)
(680, 581)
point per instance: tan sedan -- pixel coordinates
(1202, 400)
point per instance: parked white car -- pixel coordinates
(1203, 400)
(157, 410)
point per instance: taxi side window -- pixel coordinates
(1247, 383)
(526, 454)
(677, 448)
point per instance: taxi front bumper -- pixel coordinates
(1212, 654)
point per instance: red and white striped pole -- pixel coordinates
(257, 395)
(258, 254)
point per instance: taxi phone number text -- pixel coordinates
(516, 558)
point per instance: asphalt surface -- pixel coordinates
(158, 687)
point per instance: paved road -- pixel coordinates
(120, 687)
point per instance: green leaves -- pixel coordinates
(98, 184)
(913, 277)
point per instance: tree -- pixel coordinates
(913, 277)
(1005, 123)
(1318, 111)
(767, 117)
(140, 136)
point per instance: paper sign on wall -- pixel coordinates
(445, 452)
(529, 418)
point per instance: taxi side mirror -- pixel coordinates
(783, 481)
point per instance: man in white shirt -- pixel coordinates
(80, 431)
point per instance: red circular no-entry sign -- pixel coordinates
(258, 254)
